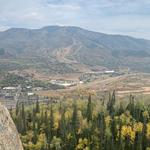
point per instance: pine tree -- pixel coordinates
(111, 104)
(50, 127)
(37, 108)
(62, 126)
(121, 109)
(89, 109)
(35, 136)
(74, 118)
(17, 108)
(19, 123)
(42, 116)
(101, 126)
(51, 121)
(23, 119)
(131, 106)
(46, 123)
(144, 139)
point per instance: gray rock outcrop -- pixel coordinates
(9, 137)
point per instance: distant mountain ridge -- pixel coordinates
(66, 46)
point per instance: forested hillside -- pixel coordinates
(84, 125)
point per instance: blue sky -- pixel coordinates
(128, 17)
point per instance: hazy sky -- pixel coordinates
(129, 17)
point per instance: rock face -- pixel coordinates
(9, 137)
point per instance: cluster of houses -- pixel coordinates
(8, 92)
(10, 96)
(24, 92)
(12, 93)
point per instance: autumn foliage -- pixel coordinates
(84, 125)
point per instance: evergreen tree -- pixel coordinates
(111, 103)
(62, 126)
(23, 120)
(17, 108)
(121, 109)
(131, 106)
(74, 118)
(37, 108)
(51, 121)
(89, 109)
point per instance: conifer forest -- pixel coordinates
(84, 125)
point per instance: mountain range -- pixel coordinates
(64, 49)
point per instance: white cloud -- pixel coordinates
(111, 16)
(3, 28)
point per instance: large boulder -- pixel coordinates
(9, 137)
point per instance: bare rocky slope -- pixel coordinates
(9, 137)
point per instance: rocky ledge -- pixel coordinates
(9, 137)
